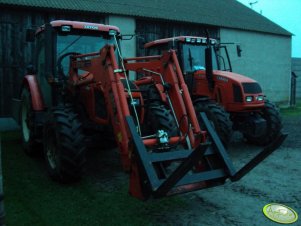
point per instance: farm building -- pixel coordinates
(266, 47)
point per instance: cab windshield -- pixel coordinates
(194, 58)
(81, 44)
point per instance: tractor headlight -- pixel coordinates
(112, 32)
(249, 98)
(65, 28)
(188, 39)
(260, 98)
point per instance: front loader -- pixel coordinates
(79, 85)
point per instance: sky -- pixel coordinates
(286, 13)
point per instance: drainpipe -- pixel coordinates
(2, 213)
(293, 89)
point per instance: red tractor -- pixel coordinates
(231, 101)
(79, 85)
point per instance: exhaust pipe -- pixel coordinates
(208, 63)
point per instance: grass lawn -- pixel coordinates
(31, 198)
(292, 110)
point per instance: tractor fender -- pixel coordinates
(30, 81)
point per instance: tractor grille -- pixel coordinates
(237, 94)
(251, 88)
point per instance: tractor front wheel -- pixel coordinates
(160, 118)
(64, 145)
(29, 136)
(273, 126)
(218, 117)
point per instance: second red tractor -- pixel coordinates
(230, 100)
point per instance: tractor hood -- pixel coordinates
(225, 76)
(220, 75)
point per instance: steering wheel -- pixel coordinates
(60, 66)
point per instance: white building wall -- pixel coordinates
(265, 58)
(127, 26)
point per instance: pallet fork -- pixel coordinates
(183, 178)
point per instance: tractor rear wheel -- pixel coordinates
(273, 128)
(64, 145)
(218, 117)
(30, 139)
(160, 118)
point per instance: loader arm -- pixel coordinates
(103, 66)
(165, 70)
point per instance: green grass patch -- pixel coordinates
(296, 110)
(32, 198)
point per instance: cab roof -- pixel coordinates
(177, 38)
(81, 26)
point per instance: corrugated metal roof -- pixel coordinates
(221, 13)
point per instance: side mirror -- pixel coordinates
(238, 50)
(30, 35)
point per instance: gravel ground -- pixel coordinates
(276, 179)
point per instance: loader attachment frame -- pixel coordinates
(205, 164)
(183, 179)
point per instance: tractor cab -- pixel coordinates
(208, 72)
(191, 52)
(57, 41)
(218, 91)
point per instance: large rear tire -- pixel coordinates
(218, 117)
(274, 126)
(30, 139)
(64, 145)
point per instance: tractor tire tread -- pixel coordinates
(160, 116)
(71, 144)
(31, 147)
(274, 120)
(219, 117)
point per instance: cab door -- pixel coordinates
(43, 64)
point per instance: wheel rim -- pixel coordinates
(51, 150)
(24, 121)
